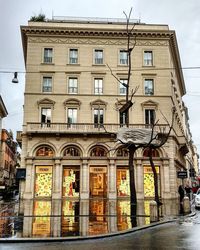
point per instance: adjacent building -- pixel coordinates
(72, 102)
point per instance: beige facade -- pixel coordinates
(71, 109)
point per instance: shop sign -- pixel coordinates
(182, 174)
(148, 169)
(43, 169)
(98, 170)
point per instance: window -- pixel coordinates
(98, 117)
(47, 84)
(149, 116)
(123, 57)
(148, 58)
(46, 115)
(122, 88)
(98, 151)
(73, 56)
(98, 56)
(122, 119)
(73, 85)
(122, 152)
(123, 183)
(44, 151)
(48, 55)
(43, 181)
(148, 86)
(71, 151)
(146, 153)
(71, 182)
(72, 115)
(98, 86)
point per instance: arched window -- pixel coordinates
(71, 151)
(154, 153)
(98, 151)
(44, 151)
(122, 152)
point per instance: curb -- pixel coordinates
(83, 238)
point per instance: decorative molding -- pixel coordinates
(46, 102)
(72, 102)
(98, 103)
(94, 41)
(149, 104)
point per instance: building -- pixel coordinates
(8, 161)
(3, 113)
(72, 102)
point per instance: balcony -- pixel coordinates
(84, 128)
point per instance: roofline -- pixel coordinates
(3, 108)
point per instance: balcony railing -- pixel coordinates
(85, 127)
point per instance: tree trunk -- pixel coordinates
(155, 176)
(132, 150)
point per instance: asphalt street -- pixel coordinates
(181, 234)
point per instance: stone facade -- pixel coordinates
(71, 108)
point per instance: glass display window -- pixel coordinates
(43, 181)
(123, 182)
(42, 220)
(70, 218)
(98, 219)
(98, 181)
(149, 181)
(123, 215)
(71, 181)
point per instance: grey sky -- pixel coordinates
(181, 16)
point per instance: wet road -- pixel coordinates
(182, 234)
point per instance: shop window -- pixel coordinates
(98, 151)
(149, 181)
(43, 181)
(98, 222)
(44, 151)
(123, 215)
(70, 218)
(71, 151)
(122, 152)
(155, 153)
(42, 219)
(123, 182)
(71, 182)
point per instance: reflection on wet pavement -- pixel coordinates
(72, 217)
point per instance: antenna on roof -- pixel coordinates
(139, 17)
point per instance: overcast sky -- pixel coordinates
(181, 15)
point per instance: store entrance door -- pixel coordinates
(98, 181)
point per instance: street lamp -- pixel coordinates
(15, 80)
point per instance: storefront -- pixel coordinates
(71, 181)
(43, 181)
(123, 182)
(149, 181)
(98, 181)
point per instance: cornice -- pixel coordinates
(78, 32)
